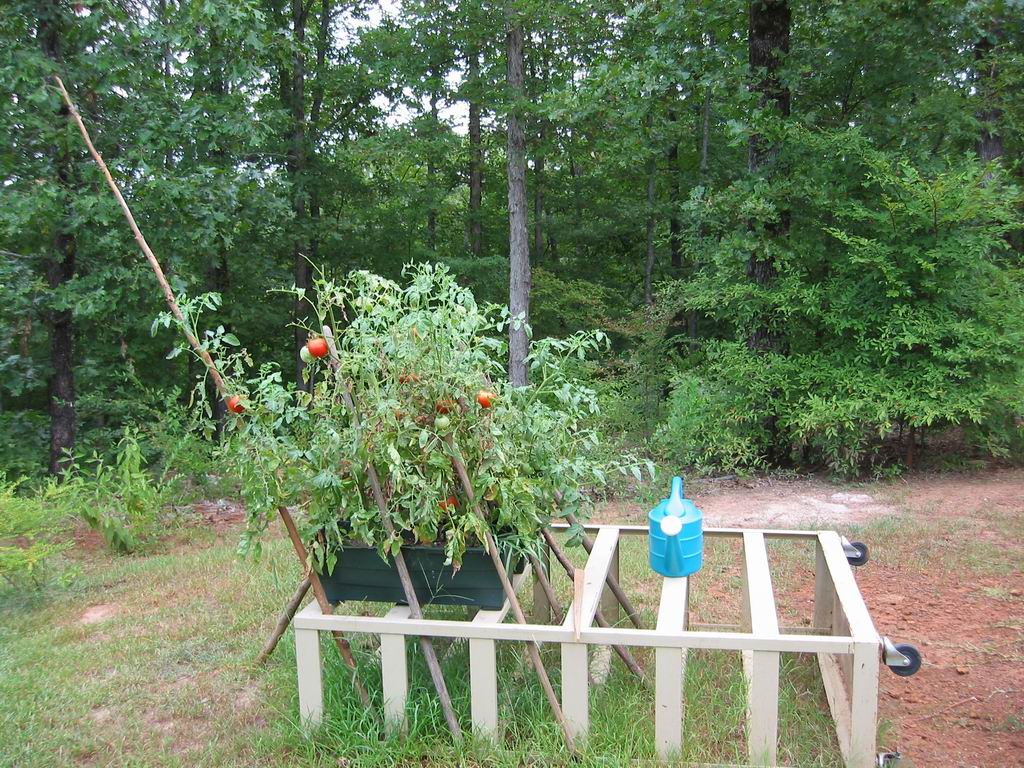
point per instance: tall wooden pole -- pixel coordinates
(343, 647)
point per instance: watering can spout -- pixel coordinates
(675, 500)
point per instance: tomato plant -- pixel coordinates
(531, 453)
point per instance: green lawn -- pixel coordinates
(166, 678)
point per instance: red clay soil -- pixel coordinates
(966, 705)
(956, 591)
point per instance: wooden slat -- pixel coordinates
(847, 592)
(594, 576)
(311, 618)
(864, 705)
(394, 672)
(824, 591)
(670, 670)
(483, 677)
(576, 688)
(643, 530)
(761, 667)
(838, 701)
(854, 708)
(310, 676)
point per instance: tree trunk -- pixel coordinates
(538, 204)
(702, 181)
(431, 176)
(768, 44)
(705, 136)
(60, 269)
(649, 265)
(476, 157)
(538, 79)
(519, 248)
(577, 201)
(552, 241)
(674, 227)
(297, 162)
(990, 141)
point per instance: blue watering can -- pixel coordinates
(676, 534)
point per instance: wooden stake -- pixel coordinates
(556, 609)
(283, 621)
(321, 598)
(141, 240)
(204, 355)
(415, 611)
(611, 580)
(549, 591)
(492, 549)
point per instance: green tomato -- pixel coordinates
(441, 423)
(307, 358)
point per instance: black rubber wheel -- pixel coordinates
(915, 660)
(862, 557)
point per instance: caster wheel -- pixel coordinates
(862, 555)
(915, 660)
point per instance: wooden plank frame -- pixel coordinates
(761, 668)
(842, 636)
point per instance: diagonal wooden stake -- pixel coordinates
(624, 653)
(283, 621)
(403, 571)
(610, 579)
(343, 647)
(492, 549)
(549, 591)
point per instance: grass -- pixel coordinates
(166, 679)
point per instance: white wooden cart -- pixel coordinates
(842, 636)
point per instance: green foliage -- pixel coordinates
(915, 320)
(413, 359)
(710, 425)
(31, 528)
(119, 498)
(236, 177)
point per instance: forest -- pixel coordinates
(798, 223)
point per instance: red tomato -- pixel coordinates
(450, 503)
(486, 398)
(235, 404)
(443, 406)
(317, 347)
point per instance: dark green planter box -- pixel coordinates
(360, 574)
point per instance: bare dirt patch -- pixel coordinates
(768, 503)
(98, 613)
(220, 513)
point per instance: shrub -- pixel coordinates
(31, 525)
(708, 425)
(910, 314)
(120, 499)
